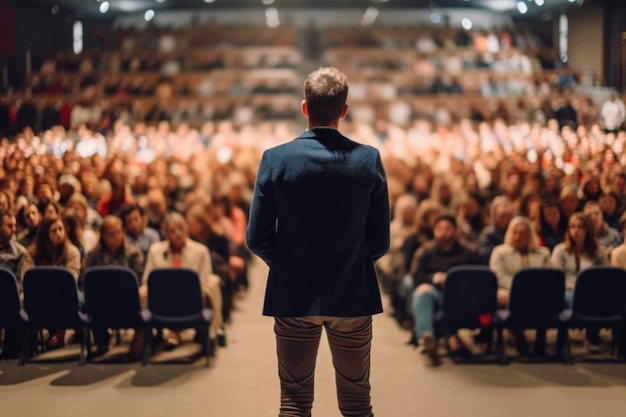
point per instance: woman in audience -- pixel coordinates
(113, 249)
(552, 224)
(471, 218)
(611, 206)
(569, 202)
(52, 247)
(520, 250)
(579, 251)
(49, 208)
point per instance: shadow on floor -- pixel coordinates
(11, 373)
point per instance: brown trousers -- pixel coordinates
(297, 342)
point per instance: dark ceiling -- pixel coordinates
(90, 8)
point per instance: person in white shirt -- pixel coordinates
(613, 114)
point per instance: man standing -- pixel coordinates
(320, 219)
(613, 114)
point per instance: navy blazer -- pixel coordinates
(320, 219)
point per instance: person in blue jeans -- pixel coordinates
(430, 265)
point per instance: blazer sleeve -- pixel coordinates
(377, 233)
(261, 232)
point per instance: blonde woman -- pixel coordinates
(520, 250)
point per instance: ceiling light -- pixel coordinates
(521, 7)
(104, 7)
(466, 23)
(160, 1)
(149, 15)
(267, 2)
(209, 1)
(435, 18)
(539, 3)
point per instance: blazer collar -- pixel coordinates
(320, 133)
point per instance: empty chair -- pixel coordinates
(51, 301)
(175, 302)
(468, 299)
(112, 300)
(537, 301)
(12, 317)
(600, 301)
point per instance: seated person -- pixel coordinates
(112, 249)
(618, 256)
(137, 232)
(579, 251)
(430, 265)
(519, 250)
(11, 253)
(178, 251)
(607, 236)
(52, 248)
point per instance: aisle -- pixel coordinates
(242, 381)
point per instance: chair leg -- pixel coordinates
(563, 346)
(500, 347)
(85, 347)
(208, 346)
(25, 347)
(147, 345)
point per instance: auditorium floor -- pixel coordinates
(242, 381)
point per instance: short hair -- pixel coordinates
(129, 208)
(446, 218)
(325, 93)
(591, 204)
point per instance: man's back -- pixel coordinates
(328, 196)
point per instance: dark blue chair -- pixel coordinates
(600, 302)
(469, 300)
(51, 301)
(13, 318)
(175, 302)
(536, 301)
(112, 300)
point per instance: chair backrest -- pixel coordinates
(112, 296)
(469, 295)
(600, 291)
(51, 297)
(537, 293)
(9, 299)
(174, 292)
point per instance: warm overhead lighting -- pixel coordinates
(104, 7)
(369, 16)
(539, 3)
(272, 19)
(521, 7)
(435, 18)
(466, 23)
(149, 15)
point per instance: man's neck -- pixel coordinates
(333, 125)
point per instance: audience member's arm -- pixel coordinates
(418, 268)
(497, 263)
(73, 261)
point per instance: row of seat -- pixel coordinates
(537, 301)
(111, 300)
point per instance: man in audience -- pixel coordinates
(11, 254)
(613, 114)
(137, 233)
(430, 266)
(493, 235)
